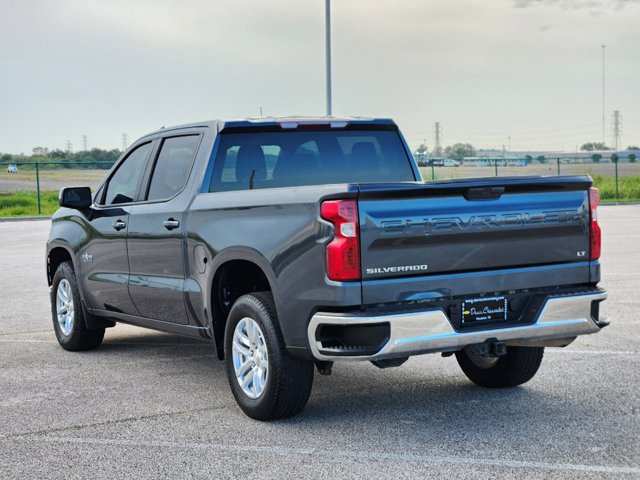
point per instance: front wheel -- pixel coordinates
(68, 314)
(518, 366)
(266, 381)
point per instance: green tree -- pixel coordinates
(541, 159)
(596, 157)
(459, 151)
(631, 147)
(593, 146)
(7, 157)
(614, 158)
(632, 158)
(57, 154)
(422, 149)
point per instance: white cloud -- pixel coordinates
(593, 5)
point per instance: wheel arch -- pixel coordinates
(236, 272)
(56, 255)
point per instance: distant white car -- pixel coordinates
(451, 163)
(12, 168)
(517, 163)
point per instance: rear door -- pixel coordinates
(156, 233)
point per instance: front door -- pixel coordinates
(104, 267)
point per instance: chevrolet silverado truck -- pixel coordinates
(294, 243)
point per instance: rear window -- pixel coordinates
(251, 160)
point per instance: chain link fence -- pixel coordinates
(618, 180)
(42, 178)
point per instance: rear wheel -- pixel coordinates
(68, 313)
(518, 366)
(266, 381)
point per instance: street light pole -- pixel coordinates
(603, 135)
(327, 4)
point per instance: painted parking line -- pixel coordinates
(333, 453)
(590, 352)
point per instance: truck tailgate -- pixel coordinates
(472, 225)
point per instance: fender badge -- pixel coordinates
(87, 258)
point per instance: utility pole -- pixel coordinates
(327, 5)
(617, 130)
(125, 141)
(509, 144)
(69, 146)
(603, 137)
(437, 146)
(84, 143)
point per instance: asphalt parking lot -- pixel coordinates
(153, 405)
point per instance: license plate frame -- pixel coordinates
(484, 310)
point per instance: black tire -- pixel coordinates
(79, 337)
(518, 366)
(288, 380)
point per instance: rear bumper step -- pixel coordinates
(558, 323)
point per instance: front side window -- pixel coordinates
(172, 168)
(123, 185)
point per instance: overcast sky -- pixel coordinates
(484, 69)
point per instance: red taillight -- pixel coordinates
(343, 252)
(595, 233)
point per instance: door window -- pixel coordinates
(172, 168)
(124, 183)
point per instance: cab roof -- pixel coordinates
(292, 122)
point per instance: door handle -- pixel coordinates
(171, 224)
(119, 225)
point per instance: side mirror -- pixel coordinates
(75, 197)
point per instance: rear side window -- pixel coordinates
(171, 171)
(124, 183)
(251, 160)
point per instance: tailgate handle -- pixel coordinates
(484, 193)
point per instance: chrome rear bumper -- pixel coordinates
(558, 323)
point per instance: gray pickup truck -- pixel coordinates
(295, 242)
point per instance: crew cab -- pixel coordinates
(290, 243)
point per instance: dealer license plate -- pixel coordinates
(486, 309)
